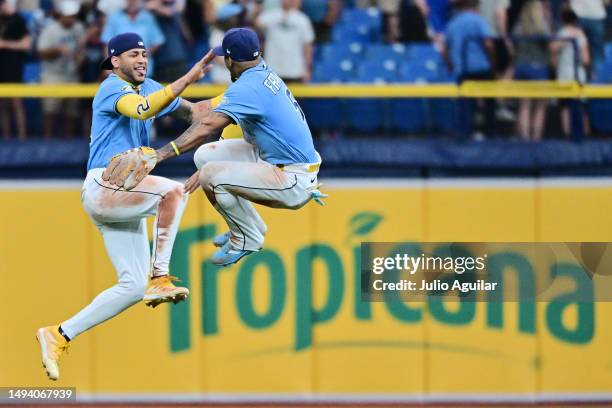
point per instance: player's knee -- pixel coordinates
(176, 193)
(134, 290)
(208, 175)
(203, 154)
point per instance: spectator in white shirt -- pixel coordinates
(288, 41)
(60, 47)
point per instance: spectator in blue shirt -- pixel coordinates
(323, 14)
(135, 19)
(172, 56)
(439, 14)
(468, 48)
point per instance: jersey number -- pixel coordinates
(142, 108)
(295, 104)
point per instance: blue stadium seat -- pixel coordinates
(424, 54)
(366, 23)
(324, 114)
(603, 72)
(608, 51)
(340, 51)
(600, 112)
(31, 72)
(382, 52)
(420, 73)
(377, 71)
(348, 34)
(422, 51)
(333, 71)
(371, 17)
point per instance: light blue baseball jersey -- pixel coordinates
(270, 118)
(113, 133)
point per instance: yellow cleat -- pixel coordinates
(162, 290)
(52, 346)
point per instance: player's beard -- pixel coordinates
(129, 74)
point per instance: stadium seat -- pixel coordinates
(359, 24)
(422, 50)
(371, 17)
(382, 52)
(340, 51)
(377, 71)
(419, 73)
(324, 114)
(608, 51)
(600, 112)
(31, 71)
(603, 72)
(361, 34)
(333, 71)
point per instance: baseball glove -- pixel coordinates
(129, 168)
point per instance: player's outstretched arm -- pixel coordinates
(200, 132)
(144, 107)
(192, 112)
(129, 168)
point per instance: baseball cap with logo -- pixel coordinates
(240, 44)
(120, 44)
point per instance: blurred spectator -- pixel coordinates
(496, 14)
(468, 49)
(439, 14)
(93, 55)
(93, 19)
(227, 18)
(110, 7)
(323, 14)
(413, 21)
(136, 20)
(532, 65)
(251, 10)
(15, 42)
(288, 41)
(60, 47)
(171, 60)
(199, 14)
(592, 20)
(390, 10)
(570, 67)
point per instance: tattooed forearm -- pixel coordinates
(184, 112)
(201, 109)
(200, 132)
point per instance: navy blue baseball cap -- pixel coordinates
(240, 44)
(120, 44)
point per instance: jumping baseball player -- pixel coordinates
(124, 109)
(275, 165)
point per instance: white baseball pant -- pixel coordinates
(233, 175)
(121, 218)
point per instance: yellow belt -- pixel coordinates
(310, 168)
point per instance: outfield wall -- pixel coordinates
(252, 331)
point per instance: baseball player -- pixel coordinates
(275, 165)
(124, 109)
